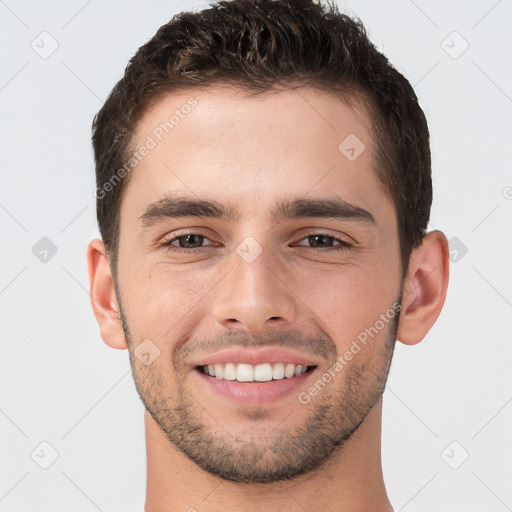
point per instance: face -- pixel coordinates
(258, 265)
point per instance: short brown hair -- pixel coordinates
(256, 45)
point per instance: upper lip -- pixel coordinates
(255, 356)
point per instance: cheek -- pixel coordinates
(159, 300)
(347, 300)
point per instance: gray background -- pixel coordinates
(448, 398)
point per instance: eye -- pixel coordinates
(183, 242)
(325, 241)
(190, 242)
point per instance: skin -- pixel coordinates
(251, 152)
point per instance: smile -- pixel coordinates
(264, 372)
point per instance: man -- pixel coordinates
(263, 193)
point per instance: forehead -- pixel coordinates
(201, 111)
(224, 141)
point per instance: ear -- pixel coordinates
(103, 297)
(424, 288)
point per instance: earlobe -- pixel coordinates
(103, 297)
(425, 288)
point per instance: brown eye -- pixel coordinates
(321, 240)
(324, 241)
(186, 242)
(194, 240)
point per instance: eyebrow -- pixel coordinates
(181, 206)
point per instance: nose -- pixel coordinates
(254, 296)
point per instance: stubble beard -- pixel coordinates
(335, 414)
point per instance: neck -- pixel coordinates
(350, 480)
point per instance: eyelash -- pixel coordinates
(342, 246)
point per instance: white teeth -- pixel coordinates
(289, 371)
(219, 371)
(244, 373)
(262, 372)
(278, 371)
(229, 371)
(248, 373)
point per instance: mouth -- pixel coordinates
(254, 376)
(263, 372)
(254, 385)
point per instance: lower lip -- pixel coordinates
(255, 393)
